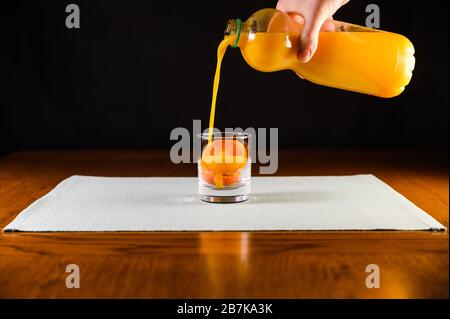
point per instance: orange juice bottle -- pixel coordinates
(348, 56)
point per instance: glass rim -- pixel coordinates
(225, 135)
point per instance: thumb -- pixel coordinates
(309, 37)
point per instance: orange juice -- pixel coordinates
(222, 161)
(220, 54)
(382, 67)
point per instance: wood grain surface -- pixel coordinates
(225, 264)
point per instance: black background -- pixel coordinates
(139, 68)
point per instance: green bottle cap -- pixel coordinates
(239, 26)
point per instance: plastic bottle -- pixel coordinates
(348, 57)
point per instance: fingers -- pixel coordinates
(286, 5)
(309, 37)
(315, 14)
(328, 25)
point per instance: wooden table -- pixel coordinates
(225, 265)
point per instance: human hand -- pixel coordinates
(314, 13)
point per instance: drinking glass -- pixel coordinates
(224, 167)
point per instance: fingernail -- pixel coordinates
(308, 56)
(304, 56)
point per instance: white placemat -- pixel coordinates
(361, 202)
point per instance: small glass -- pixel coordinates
(224, 167)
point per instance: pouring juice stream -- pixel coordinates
(220, 54)
(222, 159)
